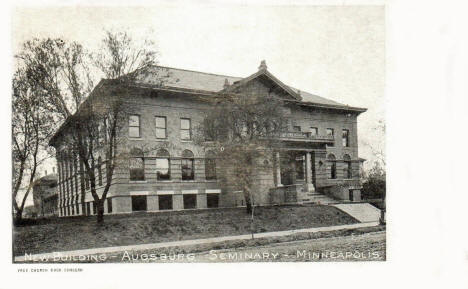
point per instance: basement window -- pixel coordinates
(165, 202)
(138, 203)
(190, 201)
(212, 200)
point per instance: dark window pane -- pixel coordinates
(333, 170)
(138, 203)
(190, 201)
(212, 200)
(345, 138)
(165, 202)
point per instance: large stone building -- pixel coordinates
(319, 152)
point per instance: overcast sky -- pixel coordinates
(337, 52)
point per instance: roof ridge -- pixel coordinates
(202, 72)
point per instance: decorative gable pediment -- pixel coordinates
(263, 82)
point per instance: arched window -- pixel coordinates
(100, 171)
(137, 165)
(210, 166)
(187, 166)
(163, 165)
(348, 171)
(332, 161)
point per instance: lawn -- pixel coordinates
(140, 228)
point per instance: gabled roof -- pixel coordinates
(211, 83)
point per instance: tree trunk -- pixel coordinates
(248, 203)
(100, 211)
(18, 217)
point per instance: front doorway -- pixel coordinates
(292, 168)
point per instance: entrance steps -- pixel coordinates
(315, 198)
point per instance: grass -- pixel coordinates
(140, 228)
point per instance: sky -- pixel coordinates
(337, 52)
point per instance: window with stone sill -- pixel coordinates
(161, 127)
(185, 129)
(134, 126)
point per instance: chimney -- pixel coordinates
(263, 65)
(226, 83)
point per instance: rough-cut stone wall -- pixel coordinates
(176, 106)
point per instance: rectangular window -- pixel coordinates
(345, 138)
(138, 203)
(161, 127)
(165, 202)
(109, 205)
(190, 201)
(313, 131)
(185, 129)
(212, 200)
(134, 126)
(296, 128)
(88, 209)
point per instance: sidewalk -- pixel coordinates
(141, 247)
(363, 212)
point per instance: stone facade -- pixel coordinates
(318, 153)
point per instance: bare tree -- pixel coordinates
(30, 132)
(92, 118)
(243, 130)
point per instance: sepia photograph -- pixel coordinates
(234, 144)
(210, 134)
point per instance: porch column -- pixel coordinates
(308, 177)
(278, 169)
